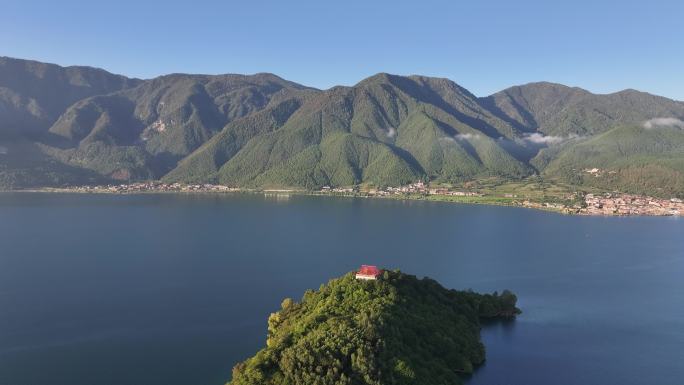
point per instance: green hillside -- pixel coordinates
(386, 130)
(24, 164)
(146, 130)
(556, 109)
(397, 330)
(629, 158)
(79, 125)
(34, 94)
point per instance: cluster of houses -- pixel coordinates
(422, 188)
(155, 187)
(455, 193)
(414, 188)
(627, 204)
(342, 190)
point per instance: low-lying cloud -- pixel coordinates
(663, 122)
(537, 138)
(391, 132)
(459, 137)
(3, 150)
(467, 136)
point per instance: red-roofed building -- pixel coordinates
(368, 272)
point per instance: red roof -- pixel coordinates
(369, 270)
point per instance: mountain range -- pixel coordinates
(80, 125)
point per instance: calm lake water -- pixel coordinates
(175, 289)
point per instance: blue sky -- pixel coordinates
(485, 46)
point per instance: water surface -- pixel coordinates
(175, 289)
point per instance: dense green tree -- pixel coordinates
(396, 330)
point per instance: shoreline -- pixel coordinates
(594, 205)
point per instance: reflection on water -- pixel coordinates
(506, 325)
(175, 289)
(277, 196)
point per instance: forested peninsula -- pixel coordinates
(396, 329)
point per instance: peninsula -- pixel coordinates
(375, 327)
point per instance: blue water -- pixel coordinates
(175, 289)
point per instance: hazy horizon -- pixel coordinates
(601, 47)
(344, 85)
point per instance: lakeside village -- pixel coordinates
(627, 204)
(614, 204)
(414, 188)
(141, 187)
(594, 204)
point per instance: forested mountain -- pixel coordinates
(141, 133)
(555, 109)
(628, 158)
(130, 130)
(33, 94)
(80, 125)
(386, 130)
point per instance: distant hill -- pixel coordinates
(81, 125)
(626, 158)
(555, 109)
(33, 94)
(396, 330)
(141, 133)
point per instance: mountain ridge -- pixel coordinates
(29, 104)
(80, 125)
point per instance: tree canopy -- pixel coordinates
(396, 330)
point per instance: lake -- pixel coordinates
(175, 289)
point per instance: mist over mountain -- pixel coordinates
(81, 125)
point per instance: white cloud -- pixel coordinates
(467, 136)
(533, 138)
(541, 139)
(459, 137)
(391, 132)
(663, 122)
(538, 138)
